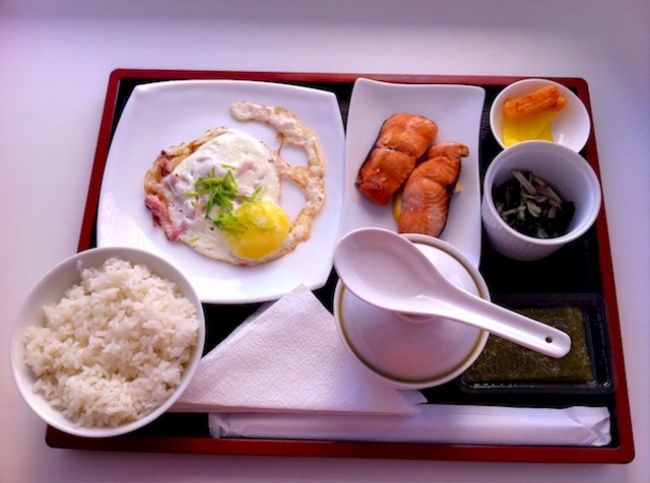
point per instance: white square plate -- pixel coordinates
(456, 109)
(164, 114)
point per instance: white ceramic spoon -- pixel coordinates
(388, 271)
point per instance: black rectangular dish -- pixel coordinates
(503, 368)
(578, 276)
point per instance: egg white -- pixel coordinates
(172, 192)
(252, 165)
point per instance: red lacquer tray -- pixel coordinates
(581, 272)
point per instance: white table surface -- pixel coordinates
(55, 58)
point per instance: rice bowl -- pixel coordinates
(107, 341)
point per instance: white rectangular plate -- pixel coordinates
(164, 114)
(456, 109)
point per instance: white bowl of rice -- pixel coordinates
(107, 341)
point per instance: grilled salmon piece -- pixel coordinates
(409, 133)
(450, 149)
(422, 201)
(403, 138)
(383, 173)
(428, 190)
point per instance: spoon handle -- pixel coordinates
(505, 323)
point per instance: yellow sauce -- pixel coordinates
(533, 126)
(397, 205)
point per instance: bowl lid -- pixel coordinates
(423, 352)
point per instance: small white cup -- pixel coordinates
(569, 175)
(571, 126)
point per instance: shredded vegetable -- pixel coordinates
(532, 207)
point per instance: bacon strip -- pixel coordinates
(161, 217)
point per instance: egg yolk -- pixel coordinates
(532, 126)
(265, 227)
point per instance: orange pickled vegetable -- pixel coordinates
(547, 98)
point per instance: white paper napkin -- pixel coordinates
(450, 424)
(289, 358)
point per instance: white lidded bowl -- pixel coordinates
(414, 354)
(571, 127)
(49, 290)
(563, 169)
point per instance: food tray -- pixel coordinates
(581, 271)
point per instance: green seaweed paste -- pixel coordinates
(503, 362)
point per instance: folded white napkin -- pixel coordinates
(289, 358)
(450, 424)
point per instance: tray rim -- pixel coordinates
(623, 453)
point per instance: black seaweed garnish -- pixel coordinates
(531, 206)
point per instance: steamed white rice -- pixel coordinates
(115, 347)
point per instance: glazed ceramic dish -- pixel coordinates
(570, 128)
(456, 109)
(414, 354)
(164, 114)
(49, 290)
(566, 171)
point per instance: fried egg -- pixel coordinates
(220, 194)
